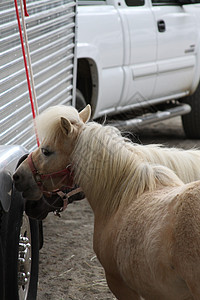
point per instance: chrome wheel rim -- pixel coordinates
(24, 258)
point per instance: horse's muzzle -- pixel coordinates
(24, 181)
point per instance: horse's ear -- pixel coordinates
(85, 113)
(66, 125)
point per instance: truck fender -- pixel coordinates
(88, 50)
(91, 88)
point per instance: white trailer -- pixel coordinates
(51, 30)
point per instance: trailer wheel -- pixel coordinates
(21, 252)
(191, 121)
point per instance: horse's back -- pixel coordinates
(187, 214)
(186, 235)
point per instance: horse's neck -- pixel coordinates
(102, 169)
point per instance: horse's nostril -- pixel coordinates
(16, 177)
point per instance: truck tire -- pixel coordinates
(21, 253)
(191, 121)
(80, 100)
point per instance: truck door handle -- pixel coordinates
(161, 25)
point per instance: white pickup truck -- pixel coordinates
(141, 56)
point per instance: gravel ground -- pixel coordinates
(69, 269)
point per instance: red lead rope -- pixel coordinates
(25, 10)
(25, 61)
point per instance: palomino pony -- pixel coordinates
(147, 221)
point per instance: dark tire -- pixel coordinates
(191, 121)
(80, 100)
(21, 231)
(35, 241)
(2, 281)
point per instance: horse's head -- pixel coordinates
(48, 168)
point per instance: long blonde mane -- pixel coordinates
(185, 163)
(105, 167)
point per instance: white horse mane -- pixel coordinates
(103, 162)
(185, 163)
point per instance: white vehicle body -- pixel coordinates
(140, 53)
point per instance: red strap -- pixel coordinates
(25, 9)
(25, 61)
(65, 196)
(30, 163)
(66, 173)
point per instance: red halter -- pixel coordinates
(66, 173)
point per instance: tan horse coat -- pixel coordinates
(151, 247)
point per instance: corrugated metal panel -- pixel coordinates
(51, 34)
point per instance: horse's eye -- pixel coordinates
(46, 152)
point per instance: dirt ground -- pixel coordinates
(69, 269)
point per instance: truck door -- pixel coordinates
(139, 51)
(177, 43)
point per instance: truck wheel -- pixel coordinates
(191, 121)
(22, 253)
(80, 100)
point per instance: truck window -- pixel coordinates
(164, 2)
(134, 2)
(177, 2)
